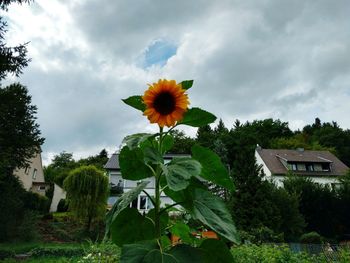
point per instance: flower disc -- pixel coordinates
(166, 102)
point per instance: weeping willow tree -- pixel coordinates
(87, 192)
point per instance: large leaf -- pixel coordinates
(135, 102)
(197, 117)
(130, 226)
(164, 219)
(182, 231)
(186, 84)
(152, 155)
(212, 168)
(156, 256)
(132, 164)
(216, 251)
(187, 254)
(122, 203)
(179, 171)
(168, 142)
(135, 253)
(211, 211)
(134, 140)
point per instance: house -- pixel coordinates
(320, 166)
(32, 177)
(119, 184)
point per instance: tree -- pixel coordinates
(182, 143)
(87, 192)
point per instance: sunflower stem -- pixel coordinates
(157, 190)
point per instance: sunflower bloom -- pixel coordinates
(166, 102)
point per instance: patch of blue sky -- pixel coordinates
(158, 53)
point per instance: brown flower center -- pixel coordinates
(164, 103)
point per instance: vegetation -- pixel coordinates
(87, 192)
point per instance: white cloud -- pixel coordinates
(249, 60)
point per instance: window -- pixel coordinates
(26, 171)
(143, 200)
(325, 167)
(34, 173)
(294, 166)
(309, 167)
(42, 188)
(134, 203)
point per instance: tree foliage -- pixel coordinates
(87, 192)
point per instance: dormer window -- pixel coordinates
(326, 167)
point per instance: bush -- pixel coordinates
(57, 252)
(28, 229)
(311, 238)
(36, 202)
(62, 206)
(6, 253)
(104, 252)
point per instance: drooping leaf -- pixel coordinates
(212, 212)
(130, 226)
(132, 164)
(179, 171)
(182, 231)
(187, 254)
(134, 140)
(135, 253)
(186, 84)
(197, 117)
(135, 102)
(168, 142)
(122, 203)
(216, 251)
(212, 168)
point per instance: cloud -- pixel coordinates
(249, 60)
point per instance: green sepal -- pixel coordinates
(212, 168)
(186, 84)
(132, 164)
(130, 226)
(135, 102)
(197, 117)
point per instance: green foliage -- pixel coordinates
(87, 191)
(186, 84)
(57, 252)
(135, 102)
(28, 229)
(37, 202)
(62, 206)
(197, 117)
(311, 238)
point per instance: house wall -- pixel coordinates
(34, 173)
(58, 194)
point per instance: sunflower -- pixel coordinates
(166, 102)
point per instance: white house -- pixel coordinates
(320, 166)
(32, 177)
(116, 181)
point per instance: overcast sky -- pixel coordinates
(249, 60)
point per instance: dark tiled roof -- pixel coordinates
(272, 160)
(113, 162)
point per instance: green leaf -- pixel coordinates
(216, 251)
(197, 117)
(211, 211)
(156, 256)
(165, 242)
(168, 142)
(182, 231)
(212, 168)
(186, 84)
(134, 140)
(164, 218)
(179, 171)
(135, 102)
(130, 226)
(132, 164)
(152, 155)
(187, 254)
(122, 203)
(135, 253)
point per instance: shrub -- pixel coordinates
(36, 202)
(57, 252)
(28, 229)
(311, 238)
(62, 206)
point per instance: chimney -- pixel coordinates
(258, 147)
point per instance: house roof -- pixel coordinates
(273, 160)
(113, 161)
